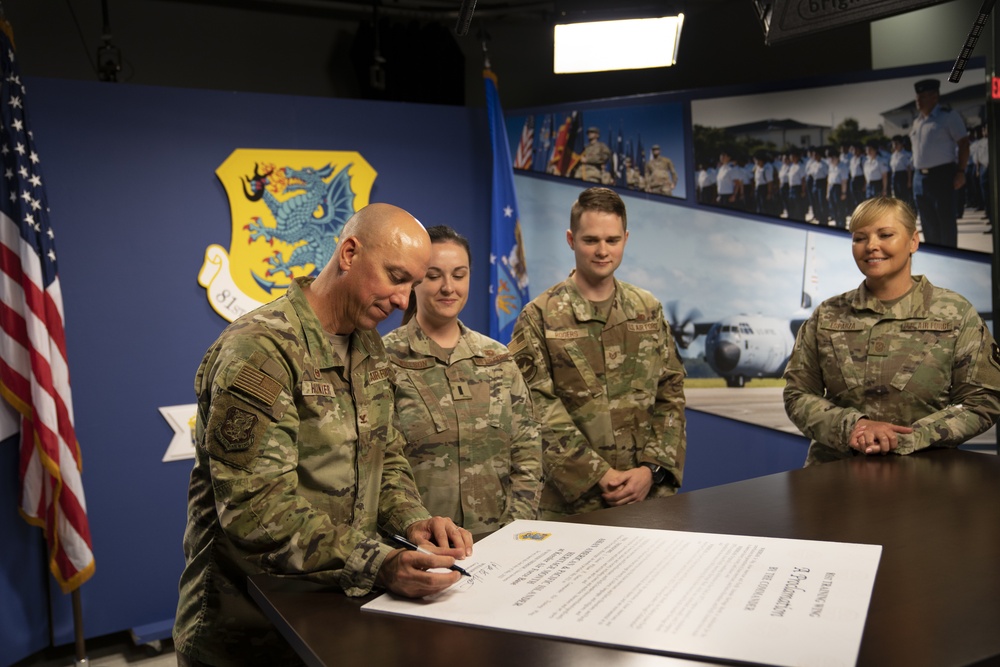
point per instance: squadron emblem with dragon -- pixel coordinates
(287, 210)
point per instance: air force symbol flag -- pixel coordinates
(508, 273)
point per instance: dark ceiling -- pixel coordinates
(327, 47)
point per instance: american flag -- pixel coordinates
(525, 147)
(34, 375)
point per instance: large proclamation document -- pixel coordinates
(750, 599)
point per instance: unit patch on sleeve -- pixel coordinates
(236, 432)
(526, 364)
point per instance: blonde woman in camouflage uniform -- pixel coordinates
(463, 406)
(896, 365)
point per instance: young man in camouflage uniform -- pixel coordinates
(297, 464)
(605, 378)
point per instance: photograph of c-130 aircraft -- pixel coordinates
(746, 346)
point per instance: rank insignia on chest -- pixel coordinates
(460, 391)
(878, 348)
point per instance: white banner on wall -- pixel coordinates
(181, 419)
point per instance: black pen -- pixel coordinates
(405, 543)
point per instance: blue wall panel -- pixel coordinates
(130, 173)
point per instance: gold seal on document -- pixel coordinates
(532, 535)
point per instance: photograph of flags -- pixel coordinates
(524, 157)
(553, 141)
(34, 374)
(508, 271)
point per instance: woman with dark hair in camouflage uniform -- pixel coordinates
(896, 365)
(463, 406)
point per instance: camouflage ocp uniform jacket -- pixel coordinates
(608, 394)
(660, 175)
(926, 361)
(592, 161)
(297, 465)
(471, 436)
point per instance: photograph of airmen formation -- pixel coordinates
(814, 154)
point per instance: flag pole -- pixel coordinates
(81, 644)
(483, 38)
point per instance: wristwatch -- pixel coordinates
(658, 472)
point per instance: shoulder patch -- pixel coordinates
(255, 383)
(517, 343)
(526, 364)
(995, 355)
(236, 431)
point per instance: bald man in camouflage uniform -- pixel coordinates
(472, 439)
(594, 158)
(298, 466)
(927, 362)
(605, 377)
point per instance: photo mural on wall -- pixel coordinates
(635, 146)
(739, 270)
(726, 282)
(813, 153)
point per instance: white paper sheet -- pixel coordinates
(753, 599)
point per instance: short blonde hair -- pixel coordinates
(876, 208)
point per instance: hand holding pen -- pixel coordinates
(406, 544)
